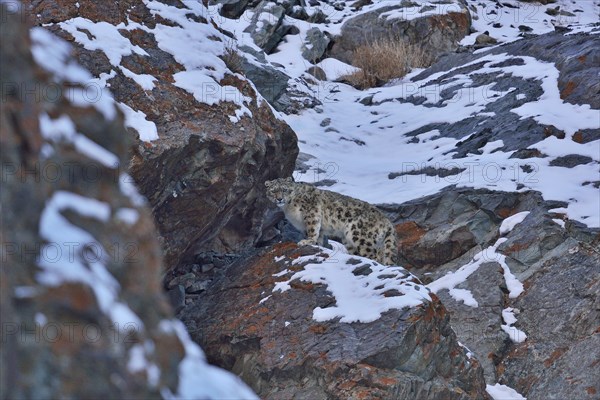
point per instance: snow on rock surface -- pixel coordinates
(452, 279)
(337, 318)
(516, 335)
(503, 20)
(84, 255)
(389, 149)
(389, 130)
(188, 111)
(198, 379)
(509, 223)
(362, 288)
(503, 392)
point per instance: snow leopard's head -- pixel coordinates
(280, 190)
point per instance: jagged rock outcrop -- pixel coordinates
(555, 259)
(560, 313)
(82, 309)
(315, 44)
(267, 26)
(282, 92)
(290, 344)
(437, 30)
(206, 142)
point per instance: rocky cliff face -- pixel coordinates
(205, 141)
(294, 329)
(503, 285)
(83, 313)
(525, 334)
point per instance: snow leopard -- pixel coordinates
(361, 227)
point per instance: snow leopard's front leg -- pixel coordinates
(312, 220)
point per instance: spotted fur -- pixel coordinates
(362, 228)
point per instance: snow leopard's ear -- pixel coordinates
(290, 179)
(268, 183)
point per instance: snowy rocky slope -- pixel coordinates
(487, 162)
(83, 311)
(495, 148)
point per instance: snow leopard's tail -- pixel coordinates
(390, 246)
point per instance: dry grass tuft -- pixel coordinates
(384, 60)
(232, 59)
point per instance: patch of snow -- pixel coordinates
(54, 55)
(503, 392)
(558, 210)
(453, 279)
(516, 335)
(101, 36)
(564, 116)
(138, 362)
(24, 292)
(72, 254)
(144, 80)
(464, 295)
(63, 129)
(197, 46)
(40, 319)
(357, 298)
(282, 273)
(423, 9)
(197, 378)
(510, 222)
(469, 353)
(137, 120)
(128, 215)
(334, 68)
(491, 146)
(514, 286)
(128, 188)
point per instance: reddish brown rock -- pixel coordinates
(204, 174)
(82, 309)
(277, 347)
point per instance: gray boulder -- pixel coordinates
(314, 45)
(269, 81)
(283, 93)
(233, 8)
(267, 27)
(437, 33)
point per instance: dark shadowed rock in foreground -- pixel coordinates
(272, 341)
(81, 304)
